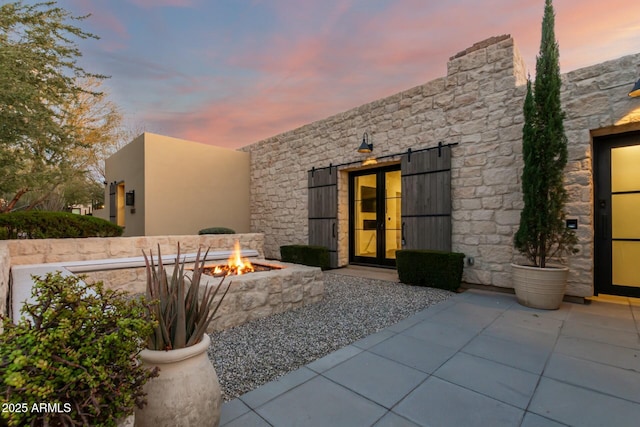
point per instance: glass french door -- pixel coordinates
(617, 261)
(375, 216)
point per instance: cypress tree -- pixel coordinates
(542, 233)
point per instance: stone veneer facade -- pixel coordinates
(478, 105)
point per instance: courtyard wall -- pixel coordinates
(40, 251)
(478, 106)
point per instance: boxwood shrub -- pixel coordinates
(54, 225)
(217, 230)
(435, 269)
(314, 256)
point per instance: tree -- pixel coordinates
(39, 86)
(542, 233)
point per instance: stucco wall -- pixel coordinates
(477, 105)
(181, 186)
(128, 165)
(190, 186)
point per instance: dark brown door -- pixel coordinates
(616, 214)
(426, 199)
(323, 211)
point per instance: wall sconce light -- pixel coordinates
(365, 147)
(130, 198)
(635, 92)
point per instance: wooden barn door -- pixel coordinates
(323, 211)
(426, 199)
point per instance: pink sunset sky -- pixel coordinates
(233, 72)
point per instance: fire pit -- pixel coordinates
(236, 265)
(259, 288)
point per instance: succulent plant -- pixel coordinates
(181, 315)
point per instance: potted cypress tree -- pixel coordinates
(186, 392)
(542, 234)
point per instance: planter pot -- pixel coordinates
(186, 393)
(126, 422)
(540, 287)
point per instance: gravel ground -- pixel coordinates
(257, 352)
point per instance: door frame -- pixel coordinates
(380, 260)
(603, 258)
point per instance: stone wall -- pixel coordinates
(38, 251)
(595, 102)
(257, 295)
(5, 264)
(477, 105)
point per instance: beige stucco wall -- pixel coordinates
(128, 165)
(477, 105)
(190, 186)
(181, 186)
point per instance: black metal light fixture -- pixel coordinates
(635, 92)
(130, 198)
(365, 147)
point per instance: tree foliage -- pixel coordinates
(76, 346)
(542, 233)
(44, 125)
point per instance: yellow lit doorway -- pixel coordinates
(617, 214)
(375, 216)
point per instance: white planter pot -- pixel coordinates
(540, 287)
(186, 393)
(127, 422)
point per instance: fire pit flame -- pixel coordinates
(235, 264)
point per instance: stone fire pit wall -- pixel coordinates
(41, 251)
(256, 295)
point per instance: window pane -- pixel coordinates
(626, 263)
(625, 173)
(624, 211)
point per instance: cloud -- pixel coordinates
(232, 74)
(149, 4)
(106, 23)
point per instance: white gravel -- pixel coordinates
(257, 352)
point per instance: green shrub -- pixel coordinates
(54, 225)
(76, 346)
(217, 230)
(315, 256)
(436, 269)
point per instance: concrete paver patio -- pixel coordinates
(477, 359)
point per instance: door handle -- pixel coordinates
(333, 230)
(404, 224)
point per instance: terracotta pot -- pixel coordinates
(540, 287)
(186, 393)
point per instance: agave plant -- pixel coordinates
(182, 318)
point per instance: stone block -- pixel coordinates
(292, 294)
(251, 300)
(507, 217)
(499, 176)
